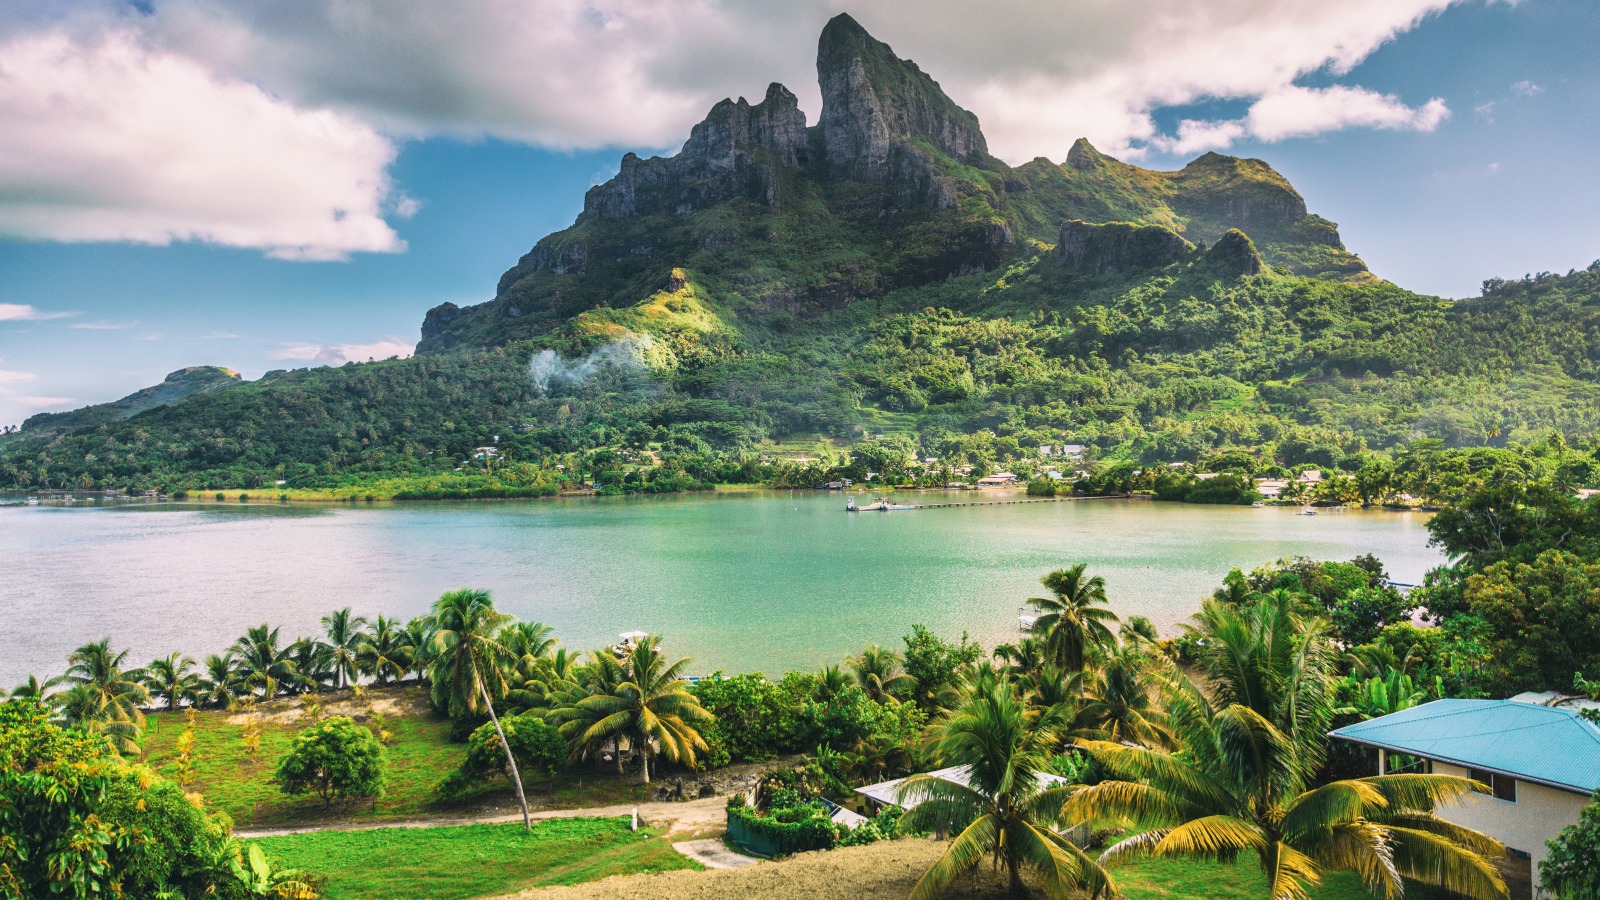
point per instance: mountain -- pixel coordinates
(893, 188)
(179, 385)
(876, 282)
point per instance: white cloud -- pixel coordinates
(1527, 88)
(338, 354)
(14, 377)
(45, 402)
(22, 312)
(107, 140)
(606, 72)
(103, 325)
(1299, 111)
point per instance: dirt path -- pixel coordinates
(681, 817)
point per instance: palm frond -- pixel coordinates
(1434, 859)
(960, 857)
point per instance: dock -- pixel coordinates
(1013, 502)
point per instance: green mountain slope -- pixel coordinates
(879, 273)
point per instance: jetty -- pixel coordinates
(955, 504)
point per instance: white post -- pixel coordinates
(1383, 761)
(635, 826)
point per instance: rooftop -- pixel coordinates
(889, 791)
(1551, 745)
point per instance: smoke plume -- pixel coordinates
(624, 356)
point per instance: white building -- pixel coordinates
(1538, 757)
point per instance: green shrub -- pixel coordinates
(334, 759)
(536, 746)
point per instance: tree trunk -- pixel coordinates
(1015, 868)
(511, 762)
(644, 761)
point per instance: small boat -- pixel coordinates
(880, 504)
(1026, 622)
(1308, 511)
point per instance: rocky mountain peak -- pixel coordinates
(871, 99)
(1084, 156)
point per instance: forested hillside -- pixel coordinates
(779, 292)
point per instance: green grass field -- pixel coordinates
(461, 862)
(420, 755)
(1188, 879)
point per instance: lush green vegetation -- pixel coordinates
(466, 861)
(1572, 871)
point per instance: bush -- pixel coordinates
(878, 828)
(1573, 867)
(793, 829)
(334, 759)
(1042, 487)
(536, 746)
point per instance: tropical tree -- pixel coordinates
(103, 698)
(263, 666)
(1073, 619)
(877, 669)
(1120, 705)
(173, 680)
(43, 691)
(313, 665)
(1009, 808)
(831, 681)
(651, 705)
(1238, 786)
(387, 652)
(419, 636)
(529, 640)
(221, 685)
(466, 659)
(344, 644)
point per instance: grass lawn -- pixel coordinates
(1185, 879)
(465, 861)
(419, 751)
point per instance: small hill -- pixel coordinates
(177, 386)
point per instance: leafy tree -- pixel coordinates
(1361, 614)
(1572, 870)
(334, 759)
(936, 665)
(1541, 617)
(649, 705)
(536, 746)
(344, 644)
(77, 821)
(1005, 812)
(171, 679)
(753, 718)
(1072, 619)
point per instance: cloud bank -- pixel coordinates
(339, 354)
(272, 125)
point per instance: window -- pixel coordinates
(1501, 787)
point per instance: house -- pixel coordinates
(1310, 476)
(998, 479)
(1072, 451)
(1271, 488)
(887, 793)
(484, 453)
(1537, 755)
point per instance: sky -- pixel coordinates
(276, 185)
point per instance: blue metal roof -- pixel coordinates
(1545, 744)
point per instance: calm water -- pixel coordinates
(767, 581)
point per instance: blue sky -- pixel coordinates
(1453, 144)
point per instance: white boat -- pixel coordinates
(1026, 622)
(880, 504)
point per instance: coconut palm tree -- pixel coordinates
(43, 691)
(173, 680)
(1073, 620)
(103, 698)
(221, 685)
(262, 664)
(387, 652)
(529, 640)
(1119, 703)
(543, 683)
(344, 644)
(467, 659)
(831, 681)
(1006, 812)
(419, 636)
(1238, 786)
(313, 665)
(651, 706)
(878, 671)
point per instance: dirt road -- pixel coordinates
(686, 817)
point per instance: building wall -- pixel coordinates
(1537, 816)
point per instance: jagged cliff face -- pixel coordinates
(873, 102)
(892, 188)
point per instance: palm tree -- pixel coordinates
(419, 636)
(222, 684)
(1119, 704)
(543, 683)
(387, 651)
(171, 678)
(652, 706)
(103, 698)
(878, 671)
(344, 644)
(467, 657)
(1238, 786)
(1073, 622)
(313, 665)
(831, 681)
(1006, 811)
(262, 665)
(43, 691)
(529, 640)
